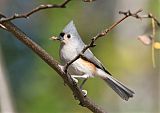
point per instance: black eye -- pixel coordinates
(68, 36)
(62, 34)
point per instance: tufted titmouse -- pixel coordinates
(71, 46)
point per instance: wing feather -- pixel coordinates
(88, 55)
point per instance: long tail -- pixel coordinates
(124, 92)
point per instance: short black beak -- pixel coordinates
(61, 36)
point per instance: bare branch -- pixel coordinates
(103, 33)
(106, 31)
(37, 9)
(88, 0)
(153, 41)
(84, 100)
(149, 15)
(154, 18)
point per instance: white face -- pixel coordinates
(66, 38)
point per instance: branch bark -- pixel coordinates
(20, 35)
(35, 10)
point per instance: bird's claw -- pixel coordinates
(84, 93)
(74, 79)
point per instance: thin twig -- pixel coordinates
(153, 41)
(88, 0)
(37, 9)
(106, 31)
(149, 15)
(103, 33)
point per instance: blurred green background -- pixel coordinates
(36, 88)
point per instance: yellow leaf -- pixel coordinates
(156, 45)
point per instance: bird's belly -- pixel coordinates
(66, 55)
(80, 67)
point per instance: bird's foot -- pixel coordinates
(74, 79)
(84, 92)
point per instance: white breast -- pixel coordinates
(67, 53)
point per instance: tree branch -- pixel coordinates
(37, 9)
(88, 0)
(106, 31)
(103, 33)
(84, 101)
(149, 15)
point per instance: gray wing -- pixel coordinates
(91, 58)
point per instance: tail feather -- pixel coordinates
(124, 92)
(119, 88)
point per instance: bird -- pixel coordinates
(89, 66)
